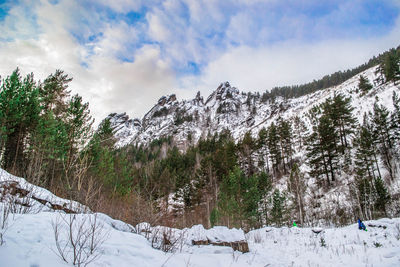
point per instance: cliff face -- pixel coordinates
(226, 108)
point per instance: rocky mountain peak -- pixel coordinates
(225, 108)
(124, 127)
(166, 100)
(224, 92)
(198, 100)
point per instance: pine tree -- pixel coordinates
(19, 113)
(286, 143)
(47, 149)
(299, 132)
(364, 85)
(383, 136)
(382, 196)
(340, 112)
(322, 149)
(389, 68)
(395, 118)
(247, 147)
(274, 147)
(278, 207)
(53, 93)
(328, 139)
(367, 168)
(263, 149)
(366, 158)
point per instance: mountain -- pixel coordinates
(328, 186)
(227, 108)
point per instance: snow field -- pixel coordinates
(30, 241)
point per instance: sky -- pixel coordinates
(124, 55)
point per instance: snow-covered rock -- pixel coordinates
(33, 198)
(227, 108)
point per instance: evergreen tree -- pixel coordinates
(246, 148)
(328, 139)
(382, 196)
(19, 113)
(340, 112)
(263, 149)
(79, 129)
(364, 85)
(366, 158)
(383, 136)
(389, 67)
(53, 93)
(48, 148)
(274, 147)
(286, 144)
(278, 207)
(367, 168)
(322, 149)
(299, 131)
(240, 198)
(395, 118)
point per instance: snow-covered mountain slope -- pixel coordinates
(226, 108)
(29, 241)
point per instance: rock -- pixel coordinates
(241, 246)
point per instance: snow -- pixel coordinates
(29, 241)
(38, 193)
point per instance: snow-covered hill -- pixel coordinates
(226, 108)
(29, 241)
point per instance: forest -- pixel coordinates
(47, 136)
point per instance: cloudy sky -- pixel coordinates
(125, 54)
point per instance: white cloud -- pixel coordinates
(122, 6)
(202, 31)
(287, 63)
(109, 84)
(129, 86)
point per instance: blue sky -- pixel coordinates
(125, 54)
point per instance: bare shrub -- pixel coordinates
(397, 228)
(78, 239)
(257, 237)
(166, 239)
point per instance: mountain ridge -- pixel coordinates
(227, 108)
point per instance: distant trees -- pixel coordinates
(388, 63)
(389, 67)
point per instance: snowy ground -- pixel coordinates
(30, 241)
